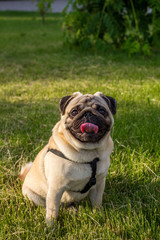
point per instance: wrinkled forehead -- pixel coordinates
(87, 100)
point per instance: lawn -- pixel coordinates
(36, 70)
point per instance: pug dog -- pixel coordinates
(75, 162)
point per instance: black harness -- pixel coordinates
(93, 165)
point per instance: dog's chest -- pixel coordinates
(78, 177)
(71, 175)
(79, 174)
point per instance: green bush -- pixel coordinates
(126, 24)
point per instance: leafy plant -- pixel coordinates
(43, 7)
(133, 26)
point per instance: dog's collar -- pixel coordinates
(93, 165)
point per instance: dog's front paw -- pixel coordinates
(99, 209)
(50, 220)
(72, 210)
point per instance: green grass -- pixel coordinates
(36, 70)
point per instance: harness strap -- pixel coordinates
(58, 153)
(93, 165)
(92, 180)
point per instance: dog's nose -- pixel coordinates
(88, 114)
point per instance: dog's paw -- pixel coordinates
(98, 209)
(72, 210)
(50, 220)
(49, 223)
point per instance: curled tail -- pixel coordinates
(25, 169)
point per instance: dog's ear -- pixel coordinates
(111, 102)
(64, 102)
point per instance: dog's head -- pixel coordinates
(87, 118)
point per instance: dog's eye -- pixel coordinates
(102, 111)
(74, 112)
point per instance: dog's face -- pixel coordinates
(87, 118)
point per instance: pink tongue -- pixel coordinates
(89, 128)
